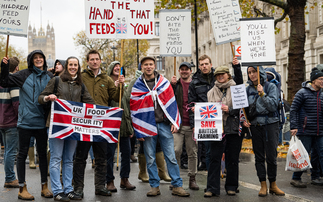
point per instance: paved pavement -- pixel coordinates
(249, 187)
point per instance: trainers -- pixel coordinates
(317, 181)
(73, 196)
(61, 197)
(103, 192)
(298, 183)
(79, 192)
(12, 184)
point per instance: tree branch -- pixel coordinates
(258, 12)
(279, 3)
(281, 18)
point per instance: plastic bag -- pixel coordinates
(297, 157)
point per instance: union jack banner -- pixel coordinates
(84, 122)
(208, 112)
(143, 103)
(121, 28)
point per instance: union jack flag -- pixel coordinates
(142, 106)
(121, 28)
(84, 122)
(208, 112)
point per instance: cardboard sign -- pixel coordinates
(14, 17)
(239, 96)
(225, 17)
(119, 19)
(208, 121)
(175, 37)
(258, 41)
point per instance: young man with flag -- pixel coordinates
(102, 89)
(153, 106)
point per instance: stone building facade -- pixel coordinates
(44, 41)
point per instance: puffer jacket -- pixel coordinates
(32, 82)
(306, 111)
(266, 105)
(101, 87)
(67, 91)
(126, 127)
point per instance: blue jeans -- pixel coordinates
(61, 150)
(125, 150)
(311, 142)
(166, 140)
(10, 140)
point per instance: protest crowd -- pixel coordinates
(157, 112)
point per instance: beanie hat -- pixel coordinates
(316, 74)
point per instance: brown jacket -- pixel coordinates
(101, 88)
(65, 90)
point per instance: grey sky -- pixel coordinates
(67, 17)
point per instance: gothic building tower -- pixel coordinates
(44, 41)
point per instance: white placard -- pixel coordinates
(208, 121)
(14, 17)
(239, 96)
(258, 41)
(225, 15)
(237, 51)
(175, 34)
(119, 19)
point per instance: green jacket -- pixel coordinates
(126, 127)
(101, 88)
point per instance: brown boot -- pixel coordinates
(179, 191)
(45, 191)
(161, 165)
(273, 189)
(193, 184)
(12, 184)
(154, 191)
(142, 168)
(263, 189)
(111, 187)
(125, 184)
(24, 194)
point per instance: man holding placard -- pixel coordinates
(185, 133)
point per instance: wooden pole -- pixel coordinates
(121, 64)
(174, 66)
(245, 114)
(7, 46)
(258, 75)
(232, 50)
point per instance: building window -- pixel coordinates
(156, 15)
(157, 28)
(159, 63)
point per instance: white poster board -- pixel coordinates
(239, 96)
(175, 34)
(237, 51)
(119, 19)
(14, 17)
(258, 41)
(225, 15)
(208, 121)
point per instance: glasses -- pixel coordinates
(320, 79)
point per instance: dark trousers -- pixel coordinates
(133, 143)
(232, 151)
(41, 146)
(125, 150)
(82, 152)
(213, 176)
(264, 143)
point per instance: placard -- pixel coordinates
(208, 121)
(237, 51)
(119, 19)
(239, 96)
(14, 17)
(175, 35)
(225, 17)
(258, 41)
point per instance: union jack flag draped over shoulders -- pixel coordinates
(143, 102)
(242, 119)
(84, 122)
